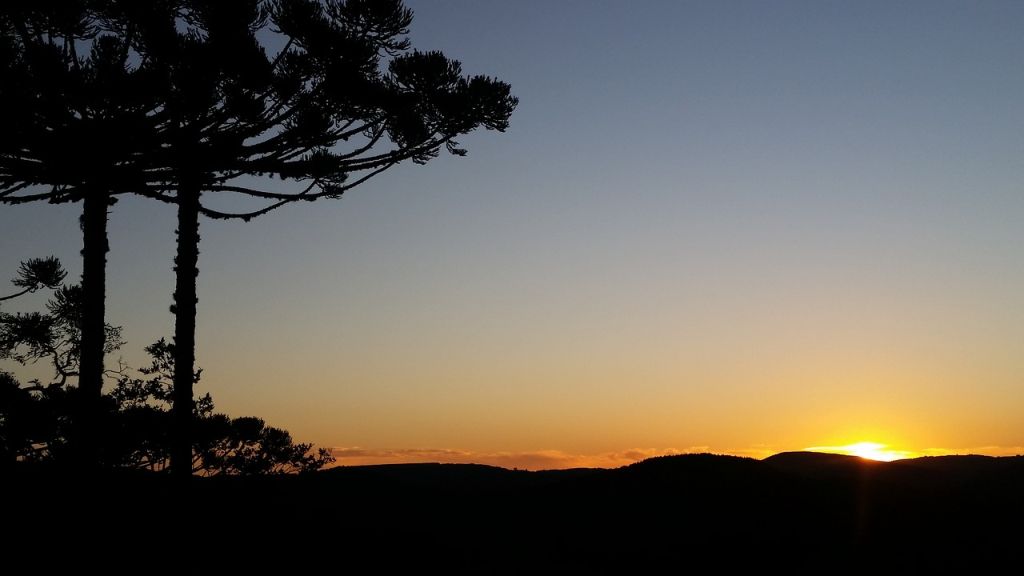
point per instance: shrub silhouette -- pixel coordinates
(134, 427)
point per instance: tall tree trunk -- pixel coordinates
(94, 288)
(186, 271)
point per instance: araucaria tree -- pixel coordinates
(75, 117)
(237, 97)
(322, 94)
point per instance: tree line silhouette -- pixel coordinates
(182, 100)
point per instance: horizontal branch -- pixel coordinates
(22, 293)
(260, 193)
(332, 193)
(4, 199)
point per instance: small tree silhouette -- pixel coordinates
(221, 444)
(41, 419)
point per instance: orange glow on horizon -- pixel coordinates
(867, 450)
(556, 459)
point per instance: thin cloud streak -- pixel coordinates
(981, 450)
(529, 460)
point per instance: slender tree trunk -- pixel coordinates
(186, 271)
(90, 360)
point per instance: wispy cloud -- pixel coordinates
(985, 450)
(530, 460)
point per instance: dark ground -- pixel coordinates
(798, 512)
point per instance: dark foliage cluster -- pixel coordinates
(36, 418)
(194, 94)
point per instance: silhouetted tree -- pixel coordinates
(190, 95)
(76, 117)
(36, 420)
(237, 107)
(53, 336)
(37, 273)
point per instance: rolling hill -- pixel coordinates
(801, 512)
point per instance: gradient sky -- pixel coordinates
(740, 227)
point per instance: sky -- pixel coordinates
(736, 227)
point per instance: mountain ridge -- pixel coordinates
(801, 512)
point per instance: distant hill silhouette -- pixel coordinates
(799, 512)
(821, 465)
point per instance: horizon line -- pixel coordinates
(550, 459)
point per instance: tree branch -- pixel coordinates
(22, 293)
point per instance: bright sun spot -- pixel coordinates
(869, 450)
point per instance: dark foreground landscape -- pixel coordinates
(799, 512)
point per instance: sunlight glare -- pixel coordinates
(868, 450)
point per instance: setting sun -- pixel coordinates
(868, 450)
